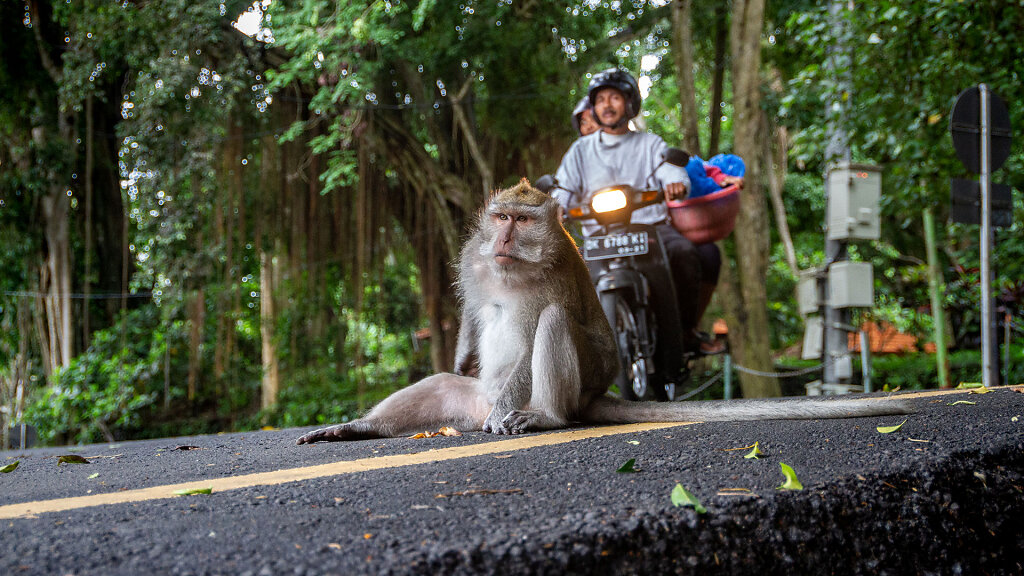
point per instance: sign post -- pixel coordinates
(980, 126)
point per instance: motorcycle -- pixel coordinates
(630, 271)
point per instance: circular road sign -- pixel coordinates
(965, 126)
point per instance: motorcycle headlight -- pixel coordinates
(608, 201)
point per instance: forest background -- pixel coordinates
(205, 230)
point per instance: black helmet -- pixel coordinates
(582, 106)
(623, 82)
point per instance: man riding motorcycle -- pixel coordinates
(617, 155)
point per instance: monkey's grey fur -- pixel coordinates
(539, 348)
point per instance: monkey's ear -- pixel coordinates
(525, 181)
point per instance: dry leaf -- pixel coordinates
(740, 448)
(482, 491)
(449, 431)
(334, 545)
(71, 459)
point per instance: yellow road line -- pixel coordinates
(30, 509)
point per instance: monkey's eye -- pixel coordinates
(502, 216)
(521, 218)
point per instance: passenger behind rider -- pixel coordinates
(583, 118)
(617, 155)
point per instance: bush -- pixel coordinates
(106, 388)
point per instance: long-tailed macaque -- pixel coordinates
(539, 346)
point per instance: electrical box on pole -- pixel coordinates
(851, 285)
(853, 194)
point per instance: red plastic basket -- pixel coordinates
(707, 218)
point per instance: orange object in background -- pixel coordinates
(886, 339)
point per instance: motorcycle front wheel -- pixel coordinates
(632, 380)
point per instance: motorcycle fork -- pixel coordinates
(623, 275)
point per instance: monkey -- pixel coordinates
(535, 351)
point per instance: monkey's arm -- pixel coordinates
(513, 395)
(467, 356)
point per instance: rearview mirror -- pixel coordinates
(676, 157)
(545, 183)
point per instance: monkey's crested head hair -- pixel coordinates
(518, 196)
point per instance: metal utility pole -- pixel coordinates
(837, 151)
(988, 325)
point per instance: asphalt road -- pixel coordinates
(942, 495)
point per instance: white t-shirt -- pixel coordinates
(600, 159)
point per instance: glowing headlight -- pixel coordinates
(608, 201)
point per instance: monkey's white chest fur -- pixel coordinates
(502, 339)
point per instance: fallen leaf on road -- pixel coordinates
(890, 429)
(480, 491)
(981, 390)
(682, 497)
(740, 448)
(736, 492)
(186, 447)
(791, 482)
(367, 536)
(334, 545)
(71, 459)
(190, 492)
(503, 456)
(968, 402)
(633, 442)
(754, 453)
(10, 467)
(628, 467)
(444, 431)
(969, 385)
(94, 475)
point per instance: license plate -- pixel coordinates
(615, 246)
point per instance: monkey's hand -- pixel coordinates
(496, 422)
(514, 422)
(336, 433)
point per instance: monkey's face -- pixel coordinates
(514, 235)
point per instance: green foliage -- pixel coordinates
(108, 387)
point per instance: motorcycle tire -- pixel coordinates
(633, 381)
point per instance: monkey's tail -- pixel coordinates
(608, 410)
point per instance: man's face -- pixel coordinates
(587, 124)
(609, 106)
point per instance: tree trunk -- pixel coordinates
(752, 239)
(718, 77)
(87, 253)
(271, 383)
(777, 159)
(197, 320)
(56, 277)
(682, 56)
(483, 166)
